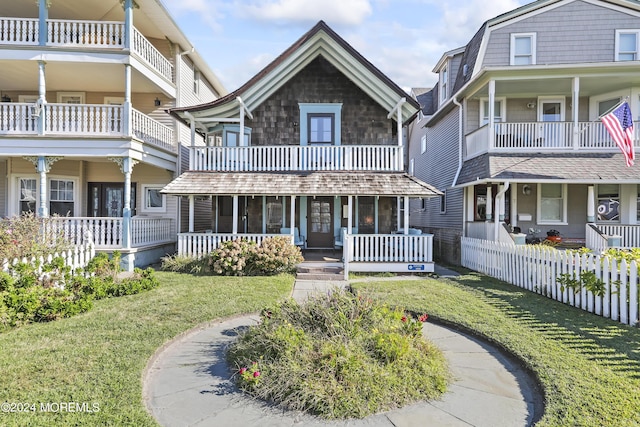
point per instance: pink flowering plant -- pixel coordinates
(338, 355)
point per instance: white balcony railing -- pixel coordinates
(542, 136)
(150, 231)
(152, 131)
(298, 158)
(389, 248)
(17, 119)
(19, 31)
(84, 119)
(63, 32)
(151, 55)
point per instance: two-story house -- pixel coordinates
(312, 146)
(83, 132)
(511, 132)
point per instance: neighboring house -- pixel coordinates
(83, 132)
(313, 146)
(512, 133)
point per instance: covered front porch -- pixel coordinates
(367, 226)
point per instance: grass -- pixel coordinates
(589, 366)
(98, 357)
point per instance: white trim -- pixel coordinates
(143, 205)
(443, 80)
(13, 203)
(60, 96)
(563, 220)
(28, 99)
(559, 99)
(114, 100)
(412, 166)
(423, 143)
(617, 43)
(512, 48)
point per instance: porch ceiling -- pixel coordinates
(560, 167)
(300, 184)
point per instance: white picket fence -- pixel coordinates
(537, 268)
(76, 257)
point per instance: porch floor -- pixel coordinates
(322, 255)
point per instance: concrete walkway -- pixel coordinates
(188, 383)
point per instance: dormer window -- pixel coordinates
(627, 45)
(523, 49)
(444, 80)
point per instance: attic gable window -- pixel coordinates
(523, 49)
(444, 80)
(320, 123)
(627, 45)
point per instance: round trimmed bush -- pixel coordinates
(338, 356)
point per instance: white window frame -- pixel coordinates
(512, 50)
(75, 193)
(196, 81)
(16, 197)
(443, 203)
(423, 144)
(412, 166)
(64, 97)
(148, 209)
(617, 44)
(619, 199)
(320, 108)
(563, 220)
(503, 111)
(443, 83)
(28, 99)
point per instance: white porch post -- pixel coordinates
(575, 100)
(126, 120)
(292, 211)
(489, 204)
(128, 23)
(127, 167)
(43, 210)
(192, 127)
(491, 126)
(398, 217)
(264, 214)
(406, 215)
(43, 15)
(502, 203)
(191, 213)
(234, 229)
(42, 97)
(591, 204)
(349, 214)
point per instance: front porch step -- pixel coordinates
(325, 273)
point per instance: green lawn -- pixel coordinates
(98, 357)
(589, 366)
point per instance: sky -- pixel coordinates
(403, 38)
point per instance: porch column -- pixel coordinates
(42, 97)
(264, 214)
(591, 204)
(575, 100)
(43, 168)
(489, 204)
(128, 23)
(191, 213)
(491, 126)
(292, 211)
(192, 127)
(127, 169)
(398, 217)
(126, 119)
(349, 214)
(406, 214)
(234, 229)
(502, 203)
(43, 15)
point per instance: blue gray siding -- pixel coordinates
(587, 32)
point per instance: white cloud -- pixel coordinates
(335, 12)
(209, 12)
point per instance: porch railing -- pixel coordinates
(106, 232)
(298, 158)
(19, 31)
(389, 248)
(64, 32)
(595, 239)
(152, 131)
(151, 55)
(150, 231)
(84, 119)
(17, 118)
(197, 245)
(630, 234)
(542, 136)
(480, 230)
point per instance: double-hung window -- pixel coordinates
(444, 84)
(627, 45)
(499, 110)
(552, 203)
(321, 128)
(28, 195)
(61, 197)
(523, 49)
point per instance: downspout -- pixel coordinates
(498, 210)
(456, 102)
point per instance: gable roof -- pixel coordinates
(321, 40)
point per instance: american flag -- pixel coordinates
(619, 123)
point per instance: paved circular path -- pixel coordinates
(188, 383)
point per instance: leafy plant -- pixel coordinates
(586, 279)
(182, 264)
(275, 255)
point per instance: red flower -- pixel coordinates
(243, 370)
(404, 319)
(256, 374)
(423, 318)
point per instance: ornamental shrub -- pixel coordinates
(338, 356)
(29, 236)
(230, 259)
(275, 255)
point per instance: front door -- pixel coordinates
(106, 199)
(551, 118)
(320, 224)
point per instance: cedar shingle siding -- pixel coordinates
(364, 122)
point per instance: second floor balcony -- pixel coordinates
(82, 120)
(296, 158)
(83, 34)
(536, 137)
